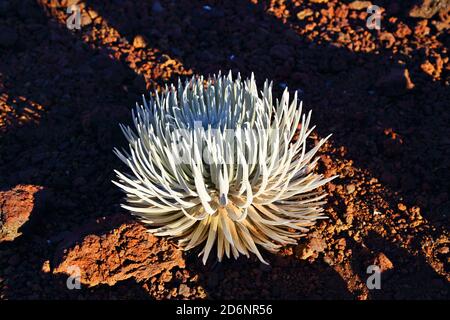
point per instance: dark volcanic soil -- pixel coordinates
(383, 94)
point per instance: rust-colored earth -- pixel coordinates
(384, 94)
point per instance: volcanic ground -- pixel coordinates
(384, 94)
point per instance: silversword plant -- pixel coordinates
(219, 164)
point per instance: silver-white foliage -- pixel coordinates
(216, 163)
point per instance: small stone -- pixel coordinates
(428, 68)
(443, 250)
(16, 208)
(428, 8)
(68, 3)
(166, 276)
(348, 217)
(383, 262)
(409, 84)
(387, 38)
(314, 246)
(359, 5)
(350, 188)
(201, 292)
(422, 29)
(317, 244)
(304, 14)
(441, 26)
(46, 266)
(184, 290)
(139, 42)
(403, 30)
(341, 243)
(304, 252)
(85, 19)
(93, 14)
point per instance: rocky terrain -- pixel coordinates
(384, 94)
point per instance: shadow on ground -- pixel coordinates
(85, 94)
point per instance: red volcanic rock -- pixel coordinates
(359, 5)
(383, 262)
(428, 8)
(16, 206)
(313, 247)
(114, 254)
